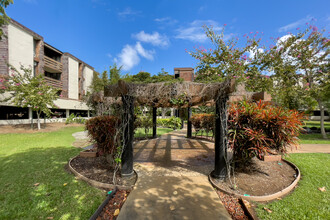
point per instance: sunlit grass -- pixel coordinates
(40, 158)
(306, 202)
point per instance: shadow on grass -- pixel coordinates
(35, 184)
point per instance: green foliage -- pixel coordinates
(96, 84)
(3, 16)
(144, 122)
(105, 131)
(172, 122)
(258, 128)
(114, 73)
(141, 77)
(226, 60)
(74, 119)
(30, 91)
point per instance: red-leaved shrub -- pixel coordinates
(203, 122)
(257, 128)
(104, 130)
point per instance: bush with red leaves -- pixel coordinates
(105, 131)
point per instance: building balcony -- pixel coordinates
(53, 82)
(52, 65)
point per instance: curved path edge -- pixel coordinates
(98, 184)
(267, 197)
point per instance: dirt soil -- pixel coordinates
(98, 169)
(262, 178)
(26, 128)
(112, 209)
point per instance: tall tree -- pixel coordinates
(114, 73)
(27, 90)
(226, 59)
(3, 16)
(301, 63)
(96, 84)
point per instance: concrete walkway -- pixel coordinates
(312, 148)
(173, 181)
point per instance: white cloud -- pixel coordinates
(148, 54)
(295, 24)
(155, 38)
(128, 12)
(130, 56)
(252, 53)
(195, 32)
(166, 20)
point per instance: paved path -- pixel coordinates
(312, 148)
(172, 181)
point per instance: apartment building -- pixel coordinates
(60, 69)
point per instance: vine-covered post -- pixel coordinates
(220, 143)
(154, 122)
(128, 132)
(189, 123)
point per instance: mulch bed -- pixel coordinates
(98, 169)
(260, 179)
(112, 209)
(234, 208)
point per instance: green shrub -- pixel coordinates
(105, 131)
(73, 119)
(258, 128)
(172, 122)
(143, 122)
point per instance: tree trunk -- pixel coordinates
(38, 119)
(321, 106)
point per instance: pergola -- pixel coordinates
(179, 95)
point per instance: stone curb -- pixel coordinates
(267, 197)
(98, 184)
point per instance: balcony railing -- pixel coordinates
(53, 64)
(54, 82)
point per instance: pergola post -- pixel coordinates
(128, 132)
(220, 143)
(189, 123)
(154, 122)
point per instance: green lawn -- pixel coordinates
(139, 132)
(306, 202)
(310, 124)
(27, 159)
(313, 139)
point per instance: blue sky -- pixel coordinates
(150, 35)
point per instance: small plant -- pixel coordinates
(73, 119)
(143, 122)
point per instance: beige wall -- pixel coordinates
(20, 47)
(88, 73)
(71, 104)
(73, 79)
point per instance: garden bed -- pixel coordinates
(111, 206)
(261, 181)
(98, 173)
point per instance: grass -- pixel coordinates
(27, 159)
(306, 202)
(313, 139)
(316, 124)
(139, 132)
